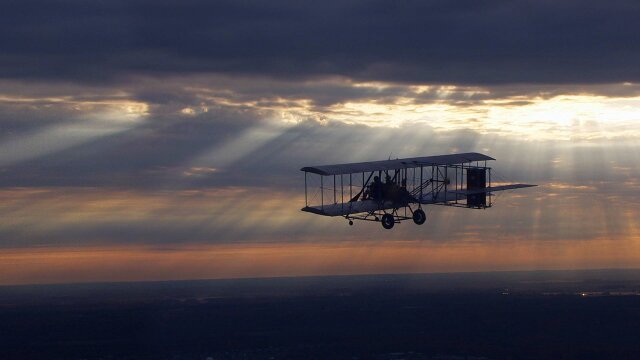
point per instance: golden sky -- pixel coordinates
(133, 150)
(109, 183)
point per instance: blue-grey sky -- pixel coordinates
(158, 131)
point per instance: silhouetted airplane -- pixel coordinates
(462, 180)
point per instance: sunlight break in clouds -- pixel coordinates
(606, 112)
(88, 120)
(224, 154)
(567, 117)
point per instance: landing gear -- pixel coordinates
(350, 222)
(419, 217)
(387, 221)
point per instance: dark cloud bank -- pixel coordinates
(459, 42)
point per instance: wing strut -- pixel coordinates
(364, 186)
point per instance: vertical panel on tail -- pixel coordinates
(476, 179)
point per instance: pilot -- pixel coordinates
(376, 188)
(403, 192)
(389, 191)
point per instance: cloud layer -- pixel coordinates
(146, 129)
(437, 41)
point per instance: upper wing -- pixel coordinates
(383, 165)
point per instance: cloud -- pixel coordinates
(150, 132)
(177, 123)
(437, 41)
(254, 147)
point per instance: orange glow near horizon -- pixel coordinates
(57, 235)
(137, 263)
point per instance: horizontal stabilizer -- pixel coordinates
(491, 189)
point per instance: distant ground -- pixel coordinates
(591, 314)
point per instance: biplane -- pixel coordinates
(390, 191)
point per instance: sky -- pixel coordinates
(160, 140)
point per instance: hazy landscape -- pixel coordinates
(500, 315)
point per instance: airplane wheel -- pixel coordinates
(387, 221)
(419, 217)
(350, 222)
